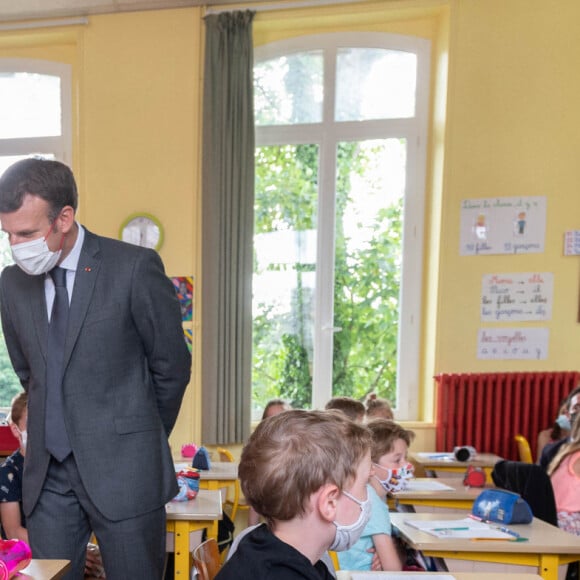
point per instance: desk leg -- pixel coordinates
(488, 478)
(212, 530)
(548, 568)
(181, 543)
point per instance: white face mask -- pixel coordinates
(35, 257)
(23, 436)
(397, 478)
(347, 536)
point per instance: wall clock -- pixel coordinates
(142, 229)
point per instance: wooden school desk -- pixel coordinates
(460, 497)
(184, 517)
(221, 474)
(45, 570)
(547, 547)
(445, 462)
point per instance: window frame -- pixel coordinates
(415, 131)
(61, 145)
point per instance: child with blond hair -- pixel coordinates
(390, 471)
(305, 472)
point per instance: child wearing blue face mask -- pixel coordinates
(305, 472)
(390, 473)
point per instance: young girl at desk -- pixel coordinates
(11, 471)
(390, 470)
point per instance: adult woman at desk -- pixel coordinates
(559, 430)
(564, 471)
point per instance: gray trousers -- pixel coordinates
(64, 517)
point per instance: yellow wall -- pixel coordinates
(505, 120)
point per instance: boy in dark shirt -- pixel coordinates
(305, 472)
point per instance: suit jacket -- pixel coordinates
(126, 369)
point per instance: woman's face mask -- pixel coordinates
(394, 478)
(564, 422)
(348, 535)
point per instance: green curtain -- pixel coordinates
(227, 228)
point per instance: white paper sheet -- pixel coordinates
(461, 529)
(395, 576)
(414, 485)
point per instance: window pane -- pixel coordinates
(375, 84)
(369, 253)
(281, 97)
(29, 105)
(284, 274)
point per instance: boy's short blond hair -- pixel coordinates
(384, 434)
(378, 407)
(17, 408)
(292, 455)
(352, 408)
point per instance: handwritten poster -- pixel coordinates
(503, 225)
(513, 343)
(520, 297)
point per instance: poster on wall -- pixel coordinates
(184, 287)
(502, 225)
(524, 296)
(188, 335)
(513, 343)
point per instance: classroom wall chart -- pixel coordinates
(522, 296)
(513, 343)
(503, 225)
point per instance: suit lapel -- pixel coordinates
(37, 301)
(85, 280)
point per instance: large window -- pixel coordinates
(340, 171)
(35, 119)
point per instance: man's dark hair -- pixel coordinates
(50, 180)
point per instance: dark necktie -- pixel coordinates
(56, 437)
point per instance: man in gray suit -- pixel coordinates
(97, 455)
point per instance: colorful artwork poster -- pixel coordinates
(184, 287)
(188, 333)
(503, 225)
(513, 343)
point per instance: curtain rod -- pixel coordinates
(43, 23)
(282, 6)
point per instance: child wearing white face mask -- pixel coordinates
(11, 472)
(390, 473)
(305, 472)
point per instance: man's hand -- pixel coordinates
(94, 563)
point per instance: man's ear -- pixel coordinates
(327, 501)
(66, 219)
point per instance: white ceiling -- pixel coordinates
(34, 9)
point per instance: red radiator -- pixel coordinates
(486, 410)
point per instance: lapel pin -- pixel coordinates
(87, 269)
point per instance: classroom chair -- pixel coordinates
(206, 559)
(237, 503)
(524, 449)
